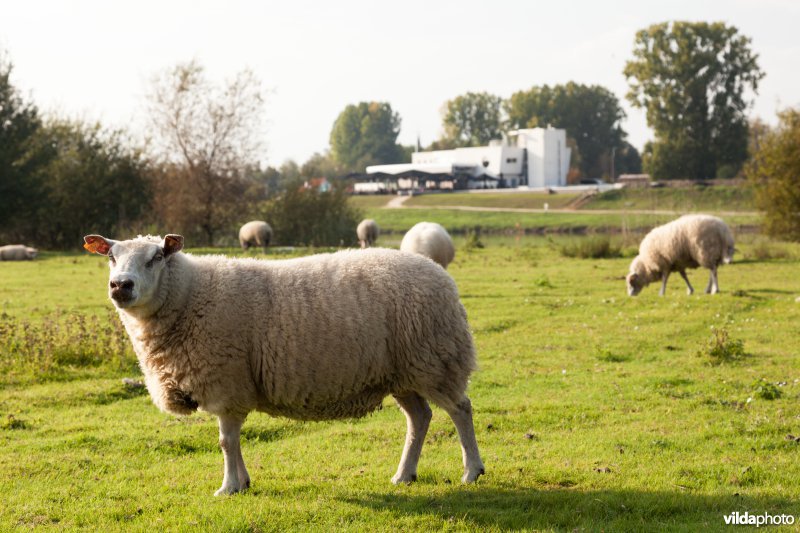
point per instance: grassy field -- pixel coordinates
(718, 198)
(594, 411)
(519, 200)
(459, 221)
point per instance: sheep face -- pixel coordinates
(635, 284)
(636, 280)
(137, 267)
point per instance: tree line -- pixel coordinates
(198, 172)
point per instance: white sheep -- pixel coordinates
(255, 233)
(315, 338)
(17, 252)
(431, 240)
(688, 242)
(367, 232)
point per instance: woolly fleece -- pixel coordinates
(431, 240)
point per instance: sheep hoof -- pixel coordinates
(471, 475)
(404, 478)
(227, 490)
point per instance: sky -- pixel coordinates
(94, 59)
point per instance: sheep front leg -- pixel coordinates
(689, 289)
(664, 278)
(236, 477)
(713, 284)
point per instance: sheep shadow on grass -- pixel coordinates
(568, 509)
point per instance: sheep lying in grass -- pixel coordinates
(255, 233)
(367, 232)
(431, 240)
(314, 338)
(688, 242)
(17, 252)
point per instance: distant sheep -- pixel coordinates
(255, 233)
(315, 338)
(688, 242)
(431, 240)
(367, 232)
(17, 252)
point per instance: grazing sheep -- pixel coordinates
(315, 338)
(255, 233)
(17, 252)
(688, 242)
(431, 240)
(367, 232)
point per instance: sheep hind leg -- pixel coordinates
(236, 477)
(418, 418)
(461, 413)
(689, 288)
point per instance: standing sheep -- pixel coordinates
(688, 242)
(431, 240)
(367, 232)
(255, 233)
(17, 252)
(315, 338)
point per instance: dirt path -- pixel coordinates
(396, 202)
(563, 210)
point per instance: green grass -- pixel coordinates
(459, 221)
(717, 198)
(367, 201)
(593, 410)
(515, 200)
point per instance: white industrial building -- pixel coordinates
(536, 158)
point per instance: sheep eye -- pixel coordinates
(157, 257)
(111, 258)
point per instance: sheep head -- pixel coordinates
(136, 268)
(637, 278)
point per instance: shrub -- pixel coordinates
(773, 171)
(473, 240)
(60, 342)
(595, 247)
(303, 216)
(766, 390)
(720, 348)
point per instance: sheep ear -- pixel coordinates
(97, 244)
(172, 244)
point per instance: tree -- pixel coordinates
(208, 136)
(774, 172)
(93, 181)
(591, 115)
(305, 216)
(691, 78)
(366, 134)
(472, 119)
(20, 158)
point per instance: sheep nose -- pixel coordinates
(121, 284)
(121, 290)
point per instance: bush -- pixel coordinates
(595, 247)
(473, 240)
(61, 342)
(303, 216)
(773, 171)
(766, 390)
(720, 348)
